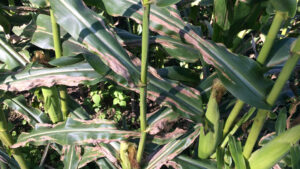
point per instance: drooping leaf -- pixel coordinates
(271, 153)
(77, 132)
(236, 151)
(30, 78)
(31, 115)
(71, 156)
(98, 39)
(183, 161)
(173, 148)
(9, 56)
(90, 154)
(236, 72)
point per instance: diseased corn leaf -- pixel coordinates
(30, 114)
(173, 148)
(90, 30)
(158, 121)
(90, 154)
(8, 160)
(32, 77)
(183, 161)
(236, 151)
(236, 72)
(271, 153)
(9, 56)
(77, 132)
(111, 152)
(71, 156)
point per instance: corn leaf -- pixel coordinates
(164, 3)
(295, 156)
(173, 148)
(5, 158)
(275, 150)
(71, 156)
(183, 161)
(36, 77)
(105, 164)
(77, 132)
(9, 56)
(90, 154)
(31, 115)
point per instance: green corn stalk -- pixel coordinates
(272, 97)
(56, 104)
(211, 133)
(6, 139)
(143, 83)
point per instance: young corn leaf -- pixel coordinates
(31, 115)
(77, 111)
(173, 148)
(236, 151)
(220, 157)
(78, 132)
(236, 72)
(71, 156)
(27, 79)
(90, 30)
(271, 153)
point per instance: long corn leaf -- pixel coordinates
(36, 77)
(77, 132)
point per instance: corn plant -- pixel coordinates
(211, 67)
